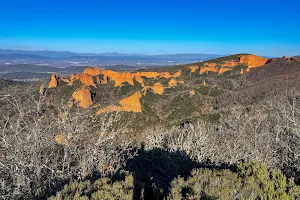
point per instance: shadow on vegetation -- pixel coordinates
(155, 169)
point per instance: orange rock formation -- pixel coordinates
(86, 80)
(165, 75)
(242, 71)
(83, 96)
(157, 88)
(230, 64)
(66, 80)
(224, 69)
(132, 103)
(192, 92)
(177, 74)
(172, 82)
(211, 64)
(129, 104)
(73, 78)
(98, 81)
(208, 69)
(53, 81)
(193, 68)
(92, 71)
(251, 61)
(120, 77)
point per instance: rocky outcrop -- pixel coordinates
(129, 104)
(227, 66)
(92, 71)
(210, 65)
(177, 74)
(242, 71)
(66, 80)
(251, 61)
(87, 80)
(192, 92)
(83, 96)
(53, 81)
(132, 103)
(73, 78)
(193, 68)
(120, 78)
(224, 69)
(157, 88)
(208, 69)
(172, 82)
(293, 58)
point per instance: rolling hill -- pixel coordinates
(180, 94)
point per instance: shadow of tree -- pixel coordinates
(155, 169)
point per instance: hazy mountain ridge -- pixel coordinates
(20, 63)
(28, 72)
(49, 54)
(20, 54)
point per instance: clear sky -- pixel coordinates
(264, 27)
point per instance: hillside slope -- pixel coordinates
(175, 95)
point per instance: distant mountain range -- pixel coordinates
(40, 54)
(24, 72)
(20, 54)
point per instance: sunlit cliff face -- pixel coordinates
(83, 96)
(251, 61)
(53, 81)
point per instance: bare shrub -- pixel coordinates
(243, 134)
(42, 147)
(238, 136)
(190, 138)
(286, 120)
(33, 164)
(268, 132)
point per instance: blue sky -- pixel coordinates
(270, 28)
